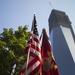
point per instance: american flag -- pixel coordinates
(33, 49)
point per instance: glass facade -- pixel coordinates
(63, 43)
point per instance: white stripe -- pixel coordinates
(32, 67)
(36, 44)
(27, 45)
(30, 59)
(36, 52)
(35, 36)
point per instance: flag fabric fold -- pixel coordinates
(40, 59)
(33, 51)
(49, 66)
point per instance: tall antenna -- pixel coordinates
(50, 4)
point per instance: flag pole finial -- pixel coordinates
(44, 31)
(34, 14)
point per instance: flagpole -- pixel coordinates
(27, 61)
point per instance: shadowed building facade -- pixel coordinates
(62, 41)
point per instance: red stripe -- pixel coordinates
(26, 50)
(35, 56)
(28, 46)
(32, 63)
(23, 71)
(35, 47)
(36, 39)
(35, 70)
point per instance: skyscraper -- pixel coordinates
(62, 41)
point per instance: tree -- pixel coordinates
(12, 44)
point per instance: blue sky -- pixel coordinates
(14, 13)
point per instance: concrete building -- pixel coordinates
(63, 42)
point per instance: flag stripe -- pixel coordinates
(23, 71)
(36, 38)
(31, 58)
(32, 63)
(36, 46)
(36, 64)
(36, 53)
(36, 57)
(26, 49)
(35, 70)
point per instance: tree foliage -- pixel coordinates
(12, 44)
